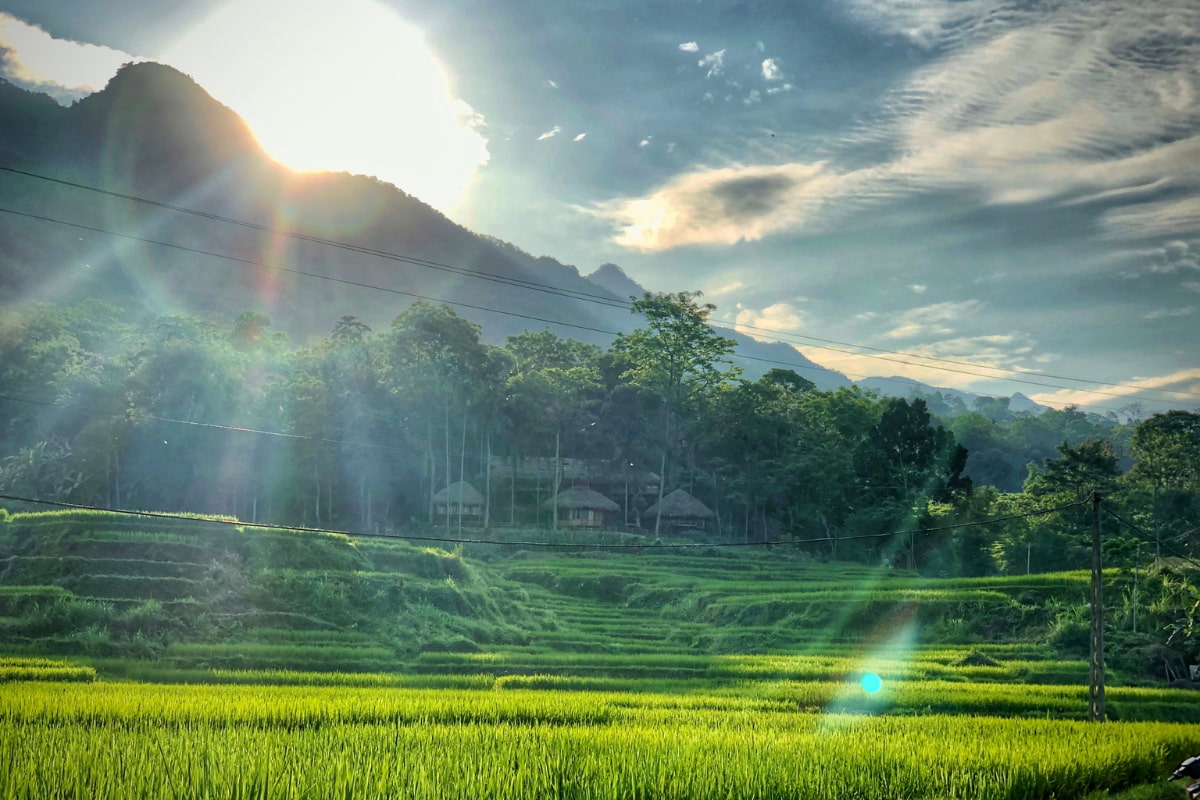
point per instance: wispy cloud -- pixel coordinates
(1170, 387)
(721, 206)
(580, 137)
(917, 288)
(993, 357)
(714, 63)
(725, 289)
(931, 320)
(549, 84)
(62, 68)
(782, 317)
(550, 134)
(1167, 313)
(1093, 103)
(690, 47)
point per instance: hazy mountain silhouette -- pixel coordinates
(152, 132)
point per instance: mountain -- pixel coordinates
(1020, 403)
(942, 401)
(613, 280)
(317, 246)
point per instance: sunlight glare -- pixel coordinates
(340, 86)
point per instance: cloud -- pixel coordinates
(720, 206)
(1089, 103)
(993, 357)
(645, 142)
(64, 69)
(725, 289)
(1085, 97)
(779, 317)
(690, 47)
(549, 84)
(1164, 313)
(754, 97)
(1172, 387)
(550, 134)
(1153, 220)
(759, 47)
(771, 70)
(580, 137)
(715, 62)
(924, 22)
(917, 288)
(932, 320)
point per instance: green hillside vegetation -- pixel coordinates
(170, 600)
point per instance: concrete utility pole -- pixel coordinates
(1096, 660)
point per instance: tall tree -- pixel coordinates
(678, 357)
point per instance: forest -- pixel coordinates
(361, 429)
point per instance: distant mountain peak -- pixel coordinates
(611, 278)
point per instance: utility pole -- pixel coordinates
(1096, 660)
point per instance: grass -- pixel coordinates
(122, 740)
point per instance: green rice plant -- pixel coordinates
(15, 668)
(118, 741)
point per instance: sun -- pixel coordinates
(343, 86)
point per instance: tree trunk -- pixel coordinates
(446, 439)
(717, 497)
(662, 477)
(432, 471)
(462, 466)
(487, 484)
(557, 476)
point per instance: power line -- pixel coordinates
(233, 428)
(609, 301)
(346, 281)
(1141, 534)
(572, 545)
(375, 287)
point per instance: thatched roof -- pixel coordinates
(680, 505)
(461, 493)
(582, 497)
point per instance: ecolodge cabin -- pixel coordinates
(460, 497)
(581, 507)
(680, 510)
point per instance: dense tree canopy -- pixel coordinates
(363, 428)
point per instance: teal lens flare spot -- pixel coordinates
(871, 683)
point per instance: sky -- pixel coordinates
(1004, 186)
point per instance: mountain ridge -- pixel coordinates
(153, 132)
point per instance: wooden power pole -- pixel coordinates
(1096, 660)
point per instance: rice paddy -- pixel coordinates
(141, 741)
(165, 663)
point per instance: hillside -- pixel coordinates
(154, 133)
(178, 596)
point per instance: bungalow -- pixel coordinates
(459, 499)
(680, 510)
(580, 507)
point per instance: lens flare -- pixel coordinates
(871, 683)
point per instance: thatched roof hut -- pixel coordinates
(681, 509)
(461, 500)
(584, 507)
(460, 493)
(582, 497)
